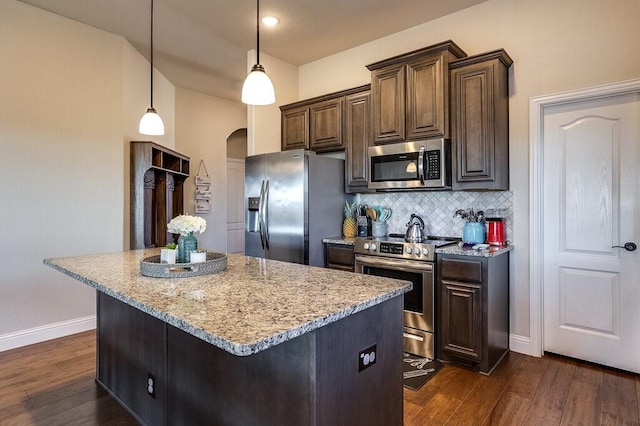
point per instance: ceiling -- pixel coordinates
(202, 45)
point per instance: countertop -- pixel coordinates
(457, 249)
(345, 241)
(253, 305)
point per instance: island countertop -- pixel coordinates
(251, 306)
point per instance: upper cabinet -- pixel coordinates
(357, 139)
(325, 125)
(334, 122)
(480, 121)
(410, 94)
(295, 128)
(434, 92)
(316, 123)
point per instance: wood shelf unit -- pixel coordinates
(157, 192)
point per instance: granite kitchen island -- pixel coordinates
(263, 342)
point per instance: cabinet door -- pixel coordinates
(132, 349)
(388, 102)
(339, 256)
(326, 125)
(461, 320)
(357, 138)
(295, 128)
(427, 100)
(480, 134)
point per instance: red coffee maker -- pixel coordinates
(495, 227)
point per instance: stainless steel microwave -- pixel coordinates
(422, 164)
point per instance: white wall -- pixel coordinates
(555, 45)
(63, 161)
(203, 124)
(135, 92)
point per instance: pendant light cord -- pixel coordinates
(258, 31)
(151, 79)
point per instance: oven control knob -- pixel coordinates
(407, 250)
(365, 246)
(417, 251)
(425, 252)
(373, 246)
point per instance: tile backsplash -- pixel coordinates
(437, 209)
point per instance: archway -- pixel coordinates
(236, 153)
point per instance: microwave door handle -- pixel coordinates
(421, 165)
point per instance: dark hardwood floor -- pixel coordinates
(52, 383)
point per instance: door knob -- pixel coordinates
(628, 246)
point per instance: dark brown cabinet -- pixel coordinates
(325, 124)
(473, 310)
(410, 94)
(357, 139)
(316, 123)
(480, 121)
(388, 96)
(166, 376)
(131, 348)
(339, 256)
(295, 128)
(334, 122)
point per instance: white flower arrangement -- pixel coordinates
(186, 224)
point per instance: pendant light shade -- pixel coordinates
(151, 123)
(258, 88)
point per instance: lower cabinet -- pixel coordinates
(339, 256)
(473, 310)
(132, 358)
(165, 376)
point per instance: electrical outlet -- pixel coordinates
(151, 386)
(367, 358)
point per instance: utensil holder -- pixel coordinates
(473, 232)
(378, 229)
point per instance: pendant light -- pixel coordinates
(258, 88)
(151, 123)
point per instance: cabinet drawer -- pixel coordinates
(464, 270)
(339, 257)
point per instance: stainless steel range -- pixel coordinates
(415, 262)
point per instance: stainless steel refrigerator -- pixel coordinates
(293, 199)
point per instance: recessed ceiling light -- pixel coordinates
(270, 21)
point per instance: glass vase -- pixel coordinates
(186, 243)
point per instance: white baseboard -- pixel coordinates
(46, 332)
(521, 344)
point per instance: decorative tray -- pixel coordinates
(151, 267)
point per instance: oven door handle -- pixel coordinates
(413, 337)
(394, 264)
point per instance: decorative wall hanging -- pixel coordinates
(202, 193)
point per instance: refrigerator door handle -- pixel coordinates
(266, 214)
(260, 214)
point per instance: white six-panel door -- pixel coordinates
(591, 292)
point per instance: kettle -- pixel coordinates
(415, 229)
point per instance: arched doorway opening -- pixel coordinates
(236, 153)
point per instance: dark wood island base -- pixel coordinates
(165, 376)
